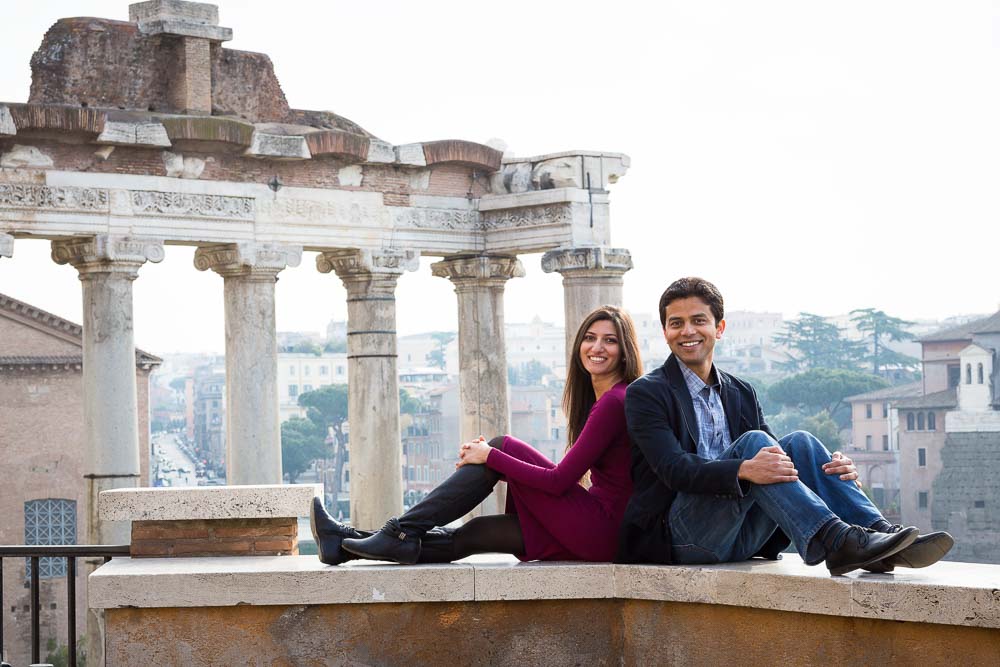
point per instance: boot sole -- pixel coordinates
(926, 553)
(899, 546)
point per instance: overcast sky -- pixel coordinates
(805, 156)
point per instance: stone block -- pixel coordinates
(544, 581)
(351, 175)
(220, 502)
(278, 146)
(25, 157)
(176, 17)
(412, 154)
(563, 172)
(7, 127)
(134, 133)
(420, 179)
(381, 151)
(178, 166)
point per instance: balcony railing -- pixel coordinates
(70, 553)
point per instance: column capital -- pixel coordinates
(478, 269)
(6, 245)
(107, 253)
(588, 261)
(363, 262)
(262, 261)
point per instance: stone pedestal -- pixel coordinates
(253, 425)
(373, 412)
(107, 266)
(482, 354)
(592, 277)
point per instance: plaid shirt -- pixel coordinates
(713, 432)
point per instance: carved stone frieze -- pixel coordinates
(59, 198)
(6, 245)
(436, 218)
(363, 261)
(107, 253)
(589, 259)
(246, 259)
(353, 213)
(479, 269)
(527, 217)
(180, 204)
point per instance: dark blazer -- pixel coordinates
(664, 432)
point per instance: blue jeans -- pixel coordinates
(706, 528)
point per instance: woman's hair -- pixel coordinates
(578, 396)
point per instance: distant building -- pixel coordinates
(299, 372)
(41, 461)
(209, 412)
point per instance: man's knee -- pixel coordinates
(497, 442)
(802, 441)
(752, 442)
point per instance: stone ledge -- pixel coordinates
(947, 593)
(206, 502)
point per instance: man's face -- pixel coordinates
(691, 331)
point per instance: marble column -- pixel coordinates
(373, 393)
(592, 277)
(107, 267)
(6, 245)
(253, 425)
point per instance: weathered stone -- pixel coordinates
(253, 434)
(208, 502)
(6, 245)
(380, 151)
(513, 178)
(178, 166)
(564, 172)
(278, 146)
(420, 180)
(104, 152)
(7, 127)
(350, 176)
(176, 17)
(373, 407)
(25, 157)
(411, 154)
(138, 133)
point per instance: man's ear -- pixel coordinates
(719, 328)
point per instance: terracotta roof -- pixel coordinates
(939, 399)
(965, 331)
(889, 393)
(61, 326)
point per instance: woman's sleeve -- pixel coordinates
(604, 425)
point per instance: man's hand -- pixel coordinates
(770, 466)
(843, 466)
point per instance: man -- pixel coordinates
(713, 484)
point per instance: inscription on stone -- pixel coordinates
(145, 202)
(429, 218)
(91, 200)
(299, 210)
(527, 217)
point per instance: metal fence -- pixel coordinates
(70, 552)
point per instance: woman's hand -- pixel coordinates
(473, 452)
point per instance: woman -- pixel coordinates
(549, 514)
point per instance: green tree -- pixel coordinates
(824, 389)
(880, 329)
(527, 374)
(436, 357)
(307, 347)
(335, 346)
(818, 343)
(302, 442)
(178, 384)
(326, 407)
(825, 428)
(409, 405)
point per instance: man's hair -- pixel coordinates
(688, 287)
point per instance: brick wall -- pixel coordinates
(217, 537)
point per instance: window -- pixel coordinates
(979, 504)
(868, 410)
(291, 370)
(340, 370)
(968, 374)
(954, 375)
(885, 443)
(49, 521)
(324, 370)
(305, 371)
(922, 500)
(293, 390)
(307, 387)
(920, 421)
(931, 421)
(979, 373)
(868, 442)
(909, 421)
(922, 457)
(885, 410)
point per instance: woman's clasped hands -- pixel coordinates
(473, 452)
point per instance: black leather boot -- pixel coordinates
(329, 533)
(925, 550)
(399, 539)
(438, 546)
(851, 547)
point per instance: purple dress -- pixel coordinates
(560, 520)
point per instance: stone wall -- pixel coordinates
(970, 475)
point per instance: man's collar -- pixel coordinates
(694, 383)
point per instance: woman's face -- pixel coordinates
(600, 351)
